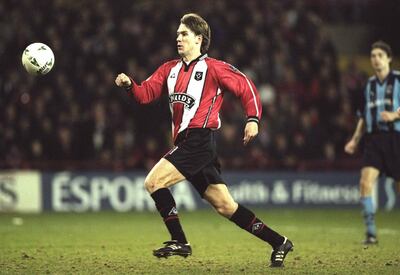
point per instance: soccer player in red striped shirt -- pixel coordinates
(196, 84)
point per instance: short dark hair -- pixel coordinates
(383, 46)
(200, 27)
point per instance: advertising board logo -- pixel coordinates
(88, 192)
(8, 195)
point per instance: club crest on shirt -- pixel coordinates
(187, 100)
(198, 76)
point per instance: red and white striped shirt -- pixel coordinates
(196, 92)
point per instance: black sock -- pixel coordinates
(246, 220)
(165, 204)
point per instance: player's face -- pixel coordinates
(379, 59)
(187, 42)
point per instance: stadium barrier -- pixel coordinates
(33, 191)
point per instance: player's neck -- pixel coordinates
(191, 56)
(382, 74)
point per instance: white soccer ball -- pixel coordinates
(38, 59)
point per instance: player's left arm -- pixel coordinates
(250, 131)
(232, 80)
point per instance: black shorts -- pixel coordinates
(195, 156)
(382, 151)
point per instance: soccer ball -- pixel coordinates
(38, 59)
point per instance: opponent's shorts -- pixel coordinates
(194, 156)
(382, 151)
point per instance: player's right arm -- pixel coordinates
(352, 145)
(123, 81)
(148, 90)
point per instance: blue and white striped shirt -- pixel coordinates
(378, 97)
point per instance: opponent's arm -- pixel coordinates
(352, 145)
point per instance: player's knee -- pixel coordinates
(222, 210)
(150, 183)
(225, 209)
(365, 187)
(365, 183)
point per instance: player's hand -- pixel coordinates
(351, 147)
(390, 116)
(123, 80)
(250, 132)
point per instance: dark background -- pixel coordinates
(75, 118)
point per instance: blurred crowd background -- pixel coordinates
(76, 118)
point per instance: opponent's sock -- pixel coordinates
(246, 220)
(369, 215)
(165, 204)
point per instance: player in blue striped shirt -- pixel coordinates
(379, 119)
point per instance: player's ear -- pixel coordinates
(199, 39)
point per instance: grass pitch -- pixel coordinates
(326, 242)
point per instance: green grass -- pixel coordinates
(326, 242)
